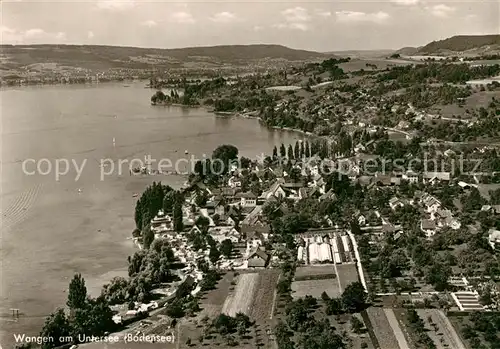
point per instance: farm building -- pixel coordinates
(335, 246)
(337, 258)
(320, 253)
(258, 258)
(346, 243)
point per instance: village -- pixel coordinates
(327, 255)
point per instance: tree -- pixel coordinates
(203, 223)
(283, 286)
(175, 309)
(325, 296)
(201, 198)
(147, 237)
(302, 150)
(177, 219)
(95, 319)
(225, 154)
(77, 294)
(334, 307)
(214, 254)
(275, 152)
(203, 265)
(307, 151)
(290, 152)
(226, 248)
(356, 325)
(245, 162)
(354, 297)
(296, 150)
(438, 276)
(168, 201)
(56, 326)
(295, 174)
(282, 150)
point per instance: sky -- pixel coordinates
(314, 25)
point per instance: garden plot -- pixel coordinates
(347, 274)
(398, 333)
(441, 330)
(314, 272)
(265, 295)
(315, 288)
(242, 299)
(382, 328)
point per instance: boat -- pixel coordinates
(135, 195)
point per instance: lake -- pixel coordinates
(52, 228)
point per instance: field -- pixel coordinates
(440, 329)
(249, 293)
(242, 299)
(381, 64)
(396, 329)
(333, 279)
(315, 272)
(347, 274)
(265, 295)
(476, 100)
(382, 328)
(315, 288)
(211, 303)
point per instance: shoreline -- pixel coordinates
(235, 114)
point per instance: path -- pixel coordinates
(396, 329)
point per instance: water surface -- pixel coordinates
(53, 229)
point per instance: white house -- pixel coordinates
(234, 182)
(394, 203)
(220, 234)
(410, 176)
(494, 238)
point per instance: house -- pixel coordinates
(162, 223)
(247, 199)
(445, 219)
(329, 195)
(410, 176)
(275, 190)
(220, 234)
(255, 222)
(213, 207)
(303, 194)
(359, 148)
(403, 125)
(433, 177)
(234, 182)
(394, 203)
(430, 202)
(449, 153)
(382, 180)
(494, 238)
(195, 230)
(362, 220)
(230, 221)
(464, 185)
(258, 258)
(229, 192)
(428, 227)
